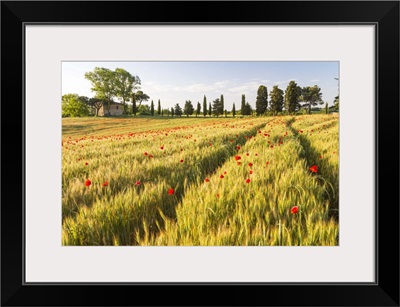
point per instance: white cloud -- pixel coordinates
(249, 86)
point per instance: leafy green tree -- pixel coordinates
(216, 107)
(178, 110)
(326, 108)
(124, 84)
(204, 106)
(312, 96)
(144, 109)
(198, 110)
(159, 107)
(172, 112)
(209, 109)
(222, 103)
(152, 108)
(242, 109)
(233, 110)
(336, 103)
(248, 110)
(140, 97)
(103, 84)
(276, 99)
(188, 108)
(261, 100)
(134, 107)
(292, 97)
(71, 106)
(96, 104)
(226, 113)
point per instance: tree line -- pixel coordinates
(108, 85)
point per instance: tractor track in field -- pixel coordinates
(311, 157)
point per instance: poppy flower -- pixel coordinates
(181, 161)
(88, 182)
(217, 195)
(145, 153)
(250, 164)
(224, 173)
(251, 172)
(151, 156)
(247, 180)
(237, 158)
(247, 154)
(105, 184)
(238, 163)
(86, 163)
(238, 147)
(222, 176)
(206, 180)
(294, 209)
(171, 191)
(137, 183)
(314, 168)
(162, 147)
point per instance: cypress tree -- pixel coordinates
(204, 106)
(159, 107)
(152, 108)
(261, 100)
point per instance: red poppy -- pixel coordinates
(105, 184)
(162, 147)
(222, 176)
(250, 164)
(86, 163)
(238, 163)
(224, 173)
(272, 146)
(206, 180)
(251, 172)
(88, 182)
(171, 191)
(181, 161)
(238, 147)
(150, 156)
(247, 180)
(294, 209)
(217, 195)
(237, 158)
(320, 157)
(247, 154)
(137, 183)
(314, 168)
(145, 153)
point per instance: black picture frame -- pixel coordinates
(383, 14)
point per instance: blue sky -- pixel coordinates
(176, 82)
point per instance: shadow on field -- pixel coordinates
(327, 176)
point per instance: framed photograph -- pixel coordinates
(250, 147)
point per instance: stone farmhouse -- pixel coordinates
(116, 109)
